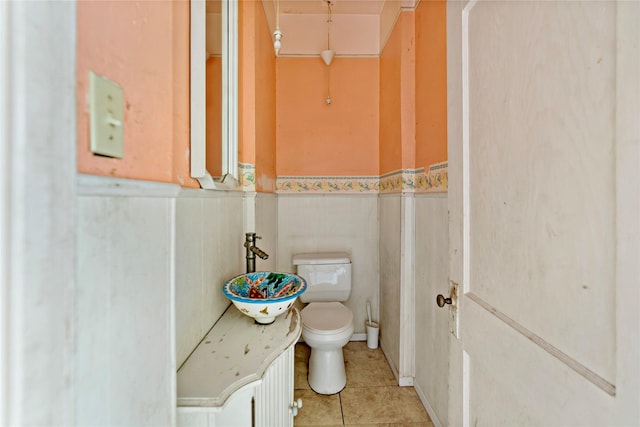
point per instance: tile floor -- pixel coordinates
(371, 398)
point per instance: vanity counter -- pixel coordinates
(234, 353)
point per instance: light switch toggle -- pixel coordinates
(114, 122)
(106, 116)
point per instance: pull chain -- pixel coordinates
(328, 100)
(329, 22)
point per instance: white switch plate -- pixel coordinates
(106, 116)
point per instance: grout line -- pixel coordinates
(341, 410)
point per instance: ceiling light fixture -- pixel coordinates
(277, 34)
(327, 55)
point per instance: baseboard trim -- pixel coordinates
(427, 406)
(405, 381)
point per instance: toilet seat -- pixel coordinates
(326, 318)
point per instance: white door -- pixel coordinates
(544, 176)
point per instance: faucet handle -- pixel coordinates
(251, 236)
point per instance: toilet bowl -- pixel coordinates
(327, 325)
(326, 328)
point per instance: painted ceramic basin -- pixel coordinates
(264, 295)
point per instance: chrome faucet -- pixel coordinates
(252, 251)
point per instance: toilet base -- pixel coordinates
(327, 374)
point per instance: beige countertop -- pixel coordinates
(234, 353)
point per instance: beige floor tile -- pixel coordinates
(301, 364)
(317, 409)
(366, 367)
(426, 424)
(371, 398)
(386, 404)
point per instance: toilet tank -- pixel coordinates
(328, 275)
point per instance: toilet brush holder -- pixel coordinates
(373, 329)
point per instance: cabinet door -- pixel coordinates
(235, 413)
(275, 394)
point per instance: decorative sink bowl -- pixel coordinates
(264, 295)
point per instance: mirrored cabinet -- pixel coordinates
(214, 93)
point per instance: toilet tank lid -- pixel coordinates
(321, 258)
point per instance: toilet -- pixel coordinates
(327, 325)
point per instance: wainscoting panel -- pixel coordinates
(390, 272)
(432, 330)
(266, 220)
(125, 364)
(209, 250)
(329, 223)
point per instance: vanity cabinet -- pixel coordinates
(274, 396)
(241, 374)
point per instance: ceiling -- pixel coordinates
(358, 27)
(348, 7)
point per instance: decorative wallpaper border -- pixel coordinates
(327, 184)
(437, 179)
(247, 176)
(406, 180)
(434, 180)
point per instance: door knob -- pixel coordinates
(441, 300)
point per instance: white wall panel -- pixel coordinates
(325, 223)
(188, 272)
(124, 312)
(432, 329)
(389, 259)
(208, 251)
(222, 251)
(267, 226)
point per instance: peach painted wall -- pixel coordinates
(408, 89)
(257, 121)
(265, 93)
(431, 83)
(214, 115)
(246, 82)
(144, 47)
(315, 139)
(390, 147)
(397, 98)
(181, 98)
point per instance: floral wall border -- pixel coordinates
(437, 178)
(247, 176)
(433, 180)
(405, 180)
(327, 184)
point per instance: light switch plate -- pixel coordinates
(106, 116)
